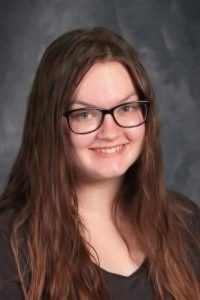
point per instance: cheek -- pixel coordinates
(80, 141)
(136, 134)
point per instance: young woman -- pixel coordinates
(86, 213)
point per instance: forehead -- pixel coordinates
(105, 83)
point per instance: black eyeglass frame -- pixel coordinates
(107, 111)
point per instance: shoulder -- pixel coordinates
(6, 221)
(190, 210)
(183, 200)
(9, 281)
(6, 256)
(190, 214)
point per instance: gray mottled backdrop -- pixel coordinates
(167, 37)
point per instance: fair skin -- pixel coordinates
(102, 158)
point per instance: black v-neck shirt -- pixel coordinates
(137, 286)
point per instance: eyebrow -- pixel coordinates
(90, 104)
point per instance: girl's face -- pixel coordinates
(108, 152)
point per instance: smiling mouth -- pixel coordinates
(109, 150)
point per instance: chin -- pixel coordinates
(102, 172)
(108, 175)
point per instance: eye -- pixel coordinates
(82, 115)
(128, 107)
(85, 115)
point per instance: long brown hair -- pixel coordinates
(47, 234)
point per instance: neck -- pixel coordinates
(95, 199)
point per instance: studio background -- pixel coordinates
(166, 35)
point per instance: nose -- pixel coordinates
(109, 129)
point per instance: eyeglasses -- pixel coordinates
(88, 119)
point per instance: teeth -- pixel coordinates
(109, 150)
